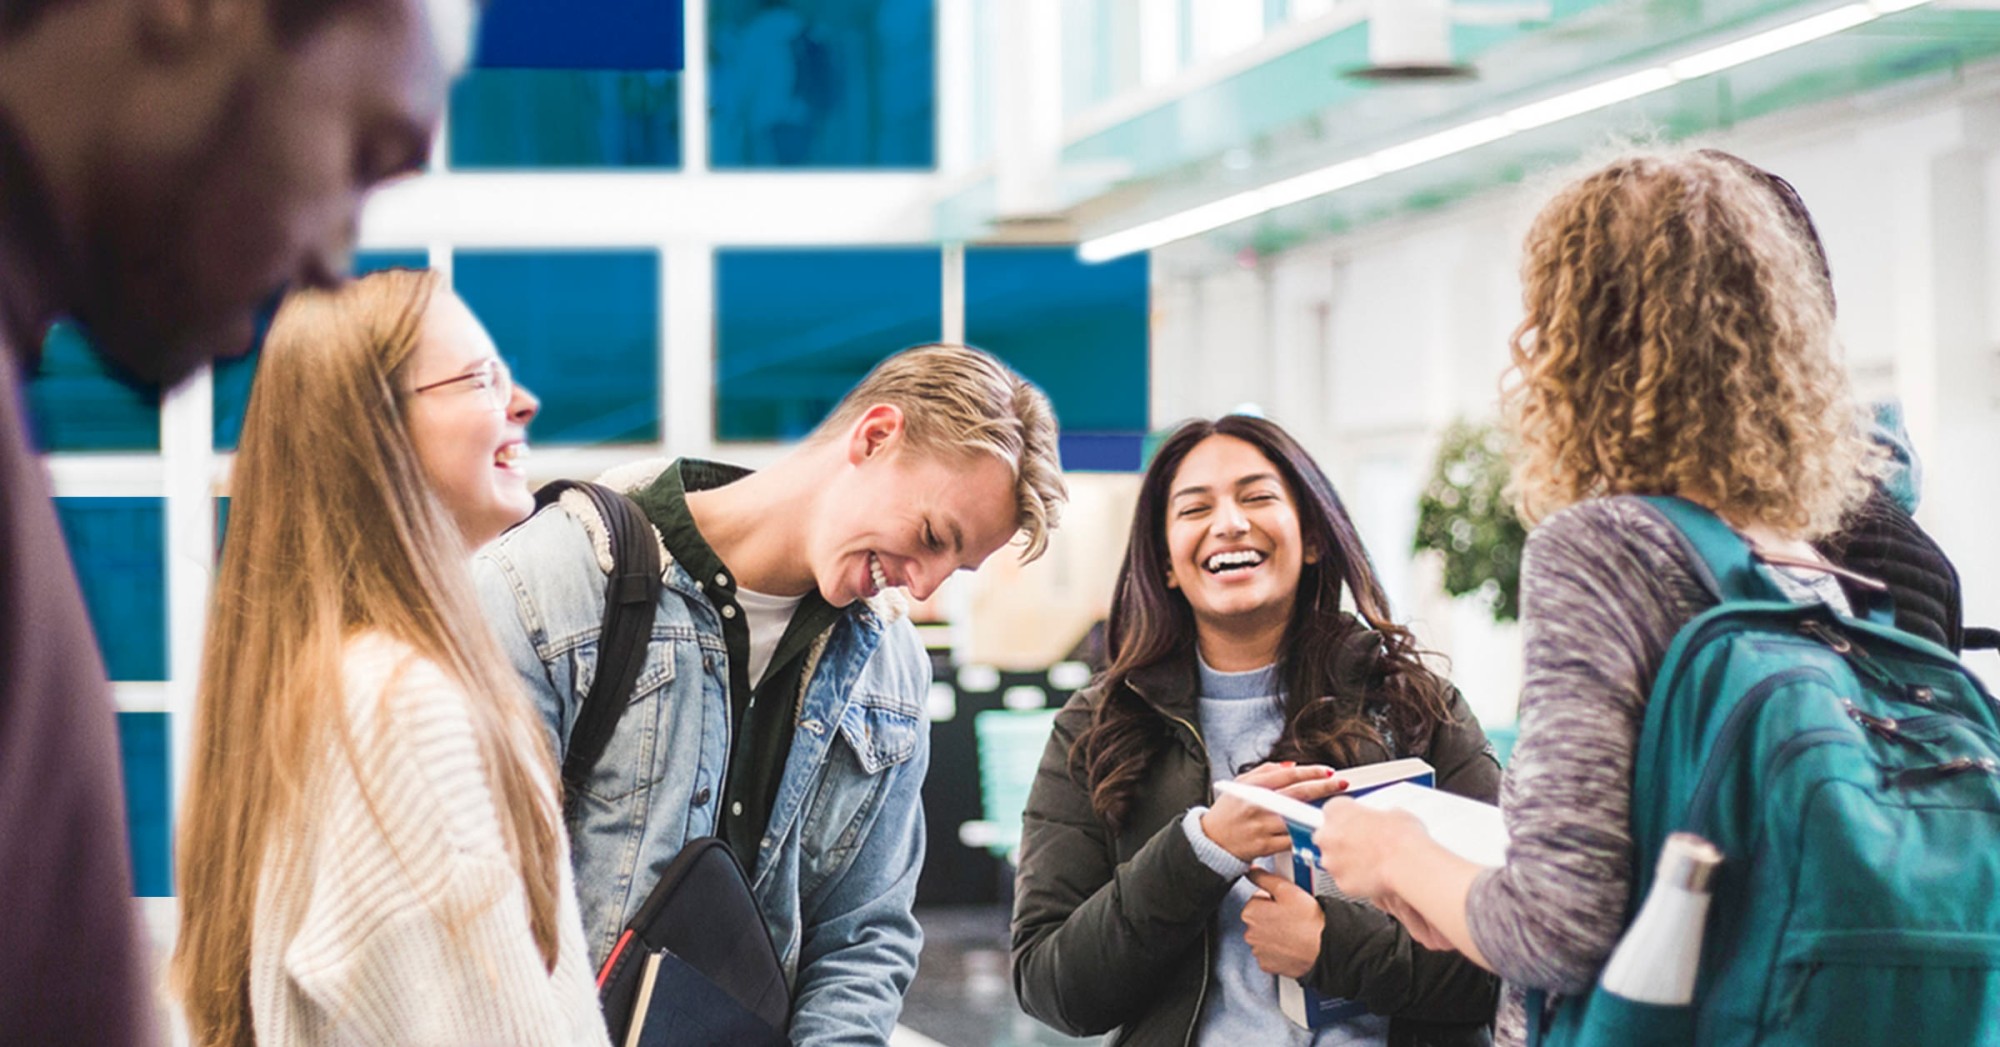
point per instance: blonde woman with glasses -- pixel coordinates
(372, 851)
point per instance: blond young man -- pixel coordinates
(780, 705)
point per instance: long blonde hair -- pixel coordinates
(1679, 340)
(333, 529)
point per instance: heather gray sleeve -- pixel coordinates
(1604, 587)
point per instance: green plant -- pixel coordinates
(1464, 516)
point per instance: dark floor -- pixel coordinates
(962, 996)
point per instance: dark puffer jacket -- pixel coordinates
(1883, 541)
(1115, 930)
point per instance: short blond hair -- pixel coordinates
(955, 398)
(1679, 340)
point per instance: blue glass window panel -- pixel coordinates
(581, 330)
(795, 329)
(822, 83)
(581, 34)
(76, 404)
(143, 746)
(119, 548)
(1078, 330)
(232, 376)
(1103, 452)
(566, 118)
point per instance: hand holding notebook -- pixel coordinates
(1467, 827)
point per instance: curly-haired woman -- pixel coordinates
(1678, 341)
(1141, 908)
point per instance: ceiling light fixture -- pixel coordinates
(1573, 103)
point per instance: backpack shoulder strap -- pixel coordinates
(631, 595)
(1731, 570)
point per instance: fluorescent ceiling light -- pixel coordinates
(1444, 143)
(1451, 141)
(1316, 183)
(1589, 99)
(1785, 37)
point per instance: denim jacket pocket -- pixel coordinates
(628, 761)
(882, 731)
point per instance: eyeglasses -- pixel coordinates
(492, 378)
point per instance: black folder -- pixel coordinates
(695, 967)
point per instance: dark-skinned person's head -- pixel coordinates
(167, 166)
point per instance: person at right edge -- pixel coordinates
(1140, 907)
(1880, 538)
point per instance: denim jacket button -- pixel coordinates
(729, 610)
(701, 797)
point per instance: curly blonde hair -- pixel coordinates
(1679, 340)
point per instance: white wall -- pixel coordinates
(1365, 345)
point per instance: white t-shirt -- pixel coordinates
(767, 617)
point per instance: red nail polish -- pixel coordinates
(1329, 772)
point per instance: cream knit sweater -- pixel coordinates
(393, 915)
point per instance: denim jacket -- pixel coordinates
(837, 870)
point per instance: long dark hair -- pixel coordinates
(1151, 623)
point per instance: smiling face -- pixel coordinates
(1232, 537)
(897, 516)
(471, 445)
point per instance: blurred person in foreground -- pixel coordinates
(780, 703)
(1144, 907)
(165, 167)
(371, 850)
(1678, 340)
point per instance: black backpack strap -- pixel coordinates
(631, 595)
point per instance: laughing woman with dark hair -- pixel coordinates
(1141, 908)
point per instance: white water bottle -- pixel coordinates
(1656, 960)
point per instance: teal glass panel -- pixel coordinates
(581, 330)
(119, 548)
(144, 749)
(76, 403)
(822, 83)
(232, 376)
(1078, 330)
(796, 328)
(566, 118)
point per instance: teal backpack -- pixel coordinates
(1850, 774)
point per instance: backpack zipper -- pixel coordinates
(1796, 990)
(1732, 730)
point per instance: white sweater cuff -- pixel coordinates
(1224, 864)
